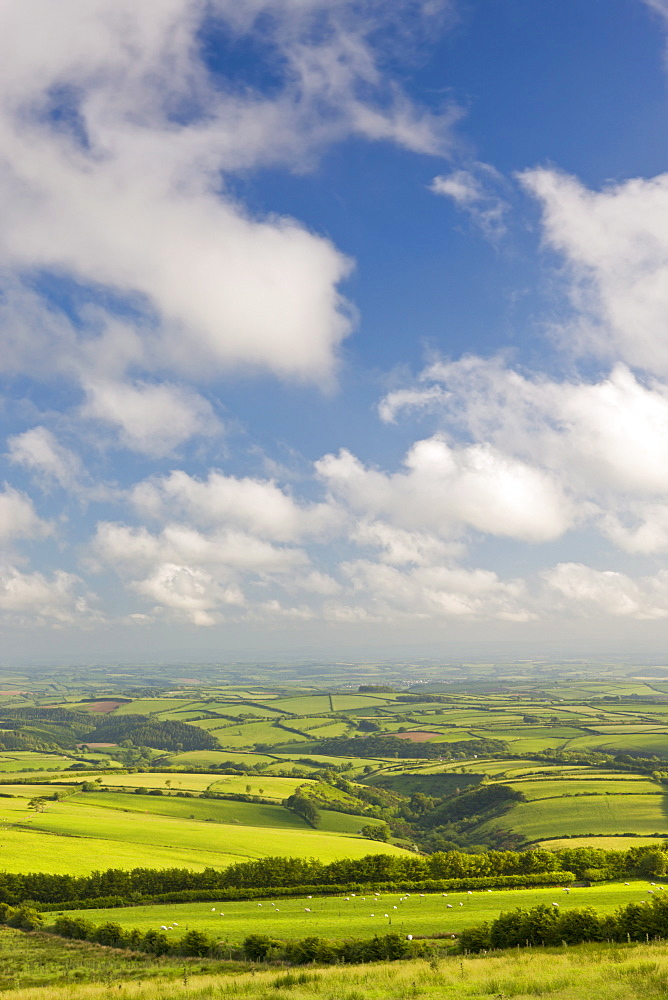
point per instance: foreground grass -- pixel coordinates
(43, 960)
(603, 972)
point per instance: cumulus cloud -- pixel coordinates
(447, 489)
(18, 518)
(606, 434)
(194, 574)
(38, 450)
(151, 419)
(582, 590)
(116, 139)
(34, 599)
(256, 505)
(438, 592)
(615, 244)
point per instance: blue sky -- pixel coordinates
(333, 328)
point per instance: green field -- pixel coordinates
(180, 781)
(317, 704)
(605, 843)
(602, 971)
(88, 830)
(28, 761)
(249, 735)
(545, 819)
(214, 758)
(340, 917)
(268, 786)
(535, 788)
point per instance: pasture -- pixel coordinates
(26, 760)
(550, 818)
(363, 915)
(88, 831)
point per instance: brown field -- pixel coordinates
(103, 707)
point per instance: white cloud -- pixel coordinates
(259, 506)
(447, 489)
(194, 574)
(33, 599)
(151, 419)
(18, 518)
(38, 450)
(659, 6)
(610, 434)
(584, 591)
(115, 142)
(438, 592)
(192, 593)
(615, 242)
(473, 190)
(400, 547)
(426, 399)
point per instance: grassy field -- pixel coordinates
(28, 761)
(646, 743)
(338, 917)
(535, 788)
(211, 758)
(98, 830)
(317, 704)
(40, 960)
(252, 733)
(606, 843)
(545, 819)
(176, 780)
(268, 786)
(603, 972)
(209, 810)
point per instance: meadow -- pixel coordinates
(341, 917)
(548, 818)
(39, 960)
(604, 972)
(92, 830)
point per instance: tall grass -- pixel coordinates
(599, 972)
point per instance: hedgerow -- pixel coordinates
(548, 925)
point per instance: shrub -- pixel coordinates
(195, 943)
(155, 943)
(26, 919)
(109, 934)
(73, 927)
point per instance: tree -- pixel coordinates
(195, 943)
(376, 831)
(303, 807)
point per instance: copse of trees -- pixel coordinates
(392, 746)
(140, 730)
(304, 807)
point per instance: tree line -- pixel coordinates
(393, 746)
(284, 872)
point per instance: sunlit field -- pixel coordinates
(361, 915)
